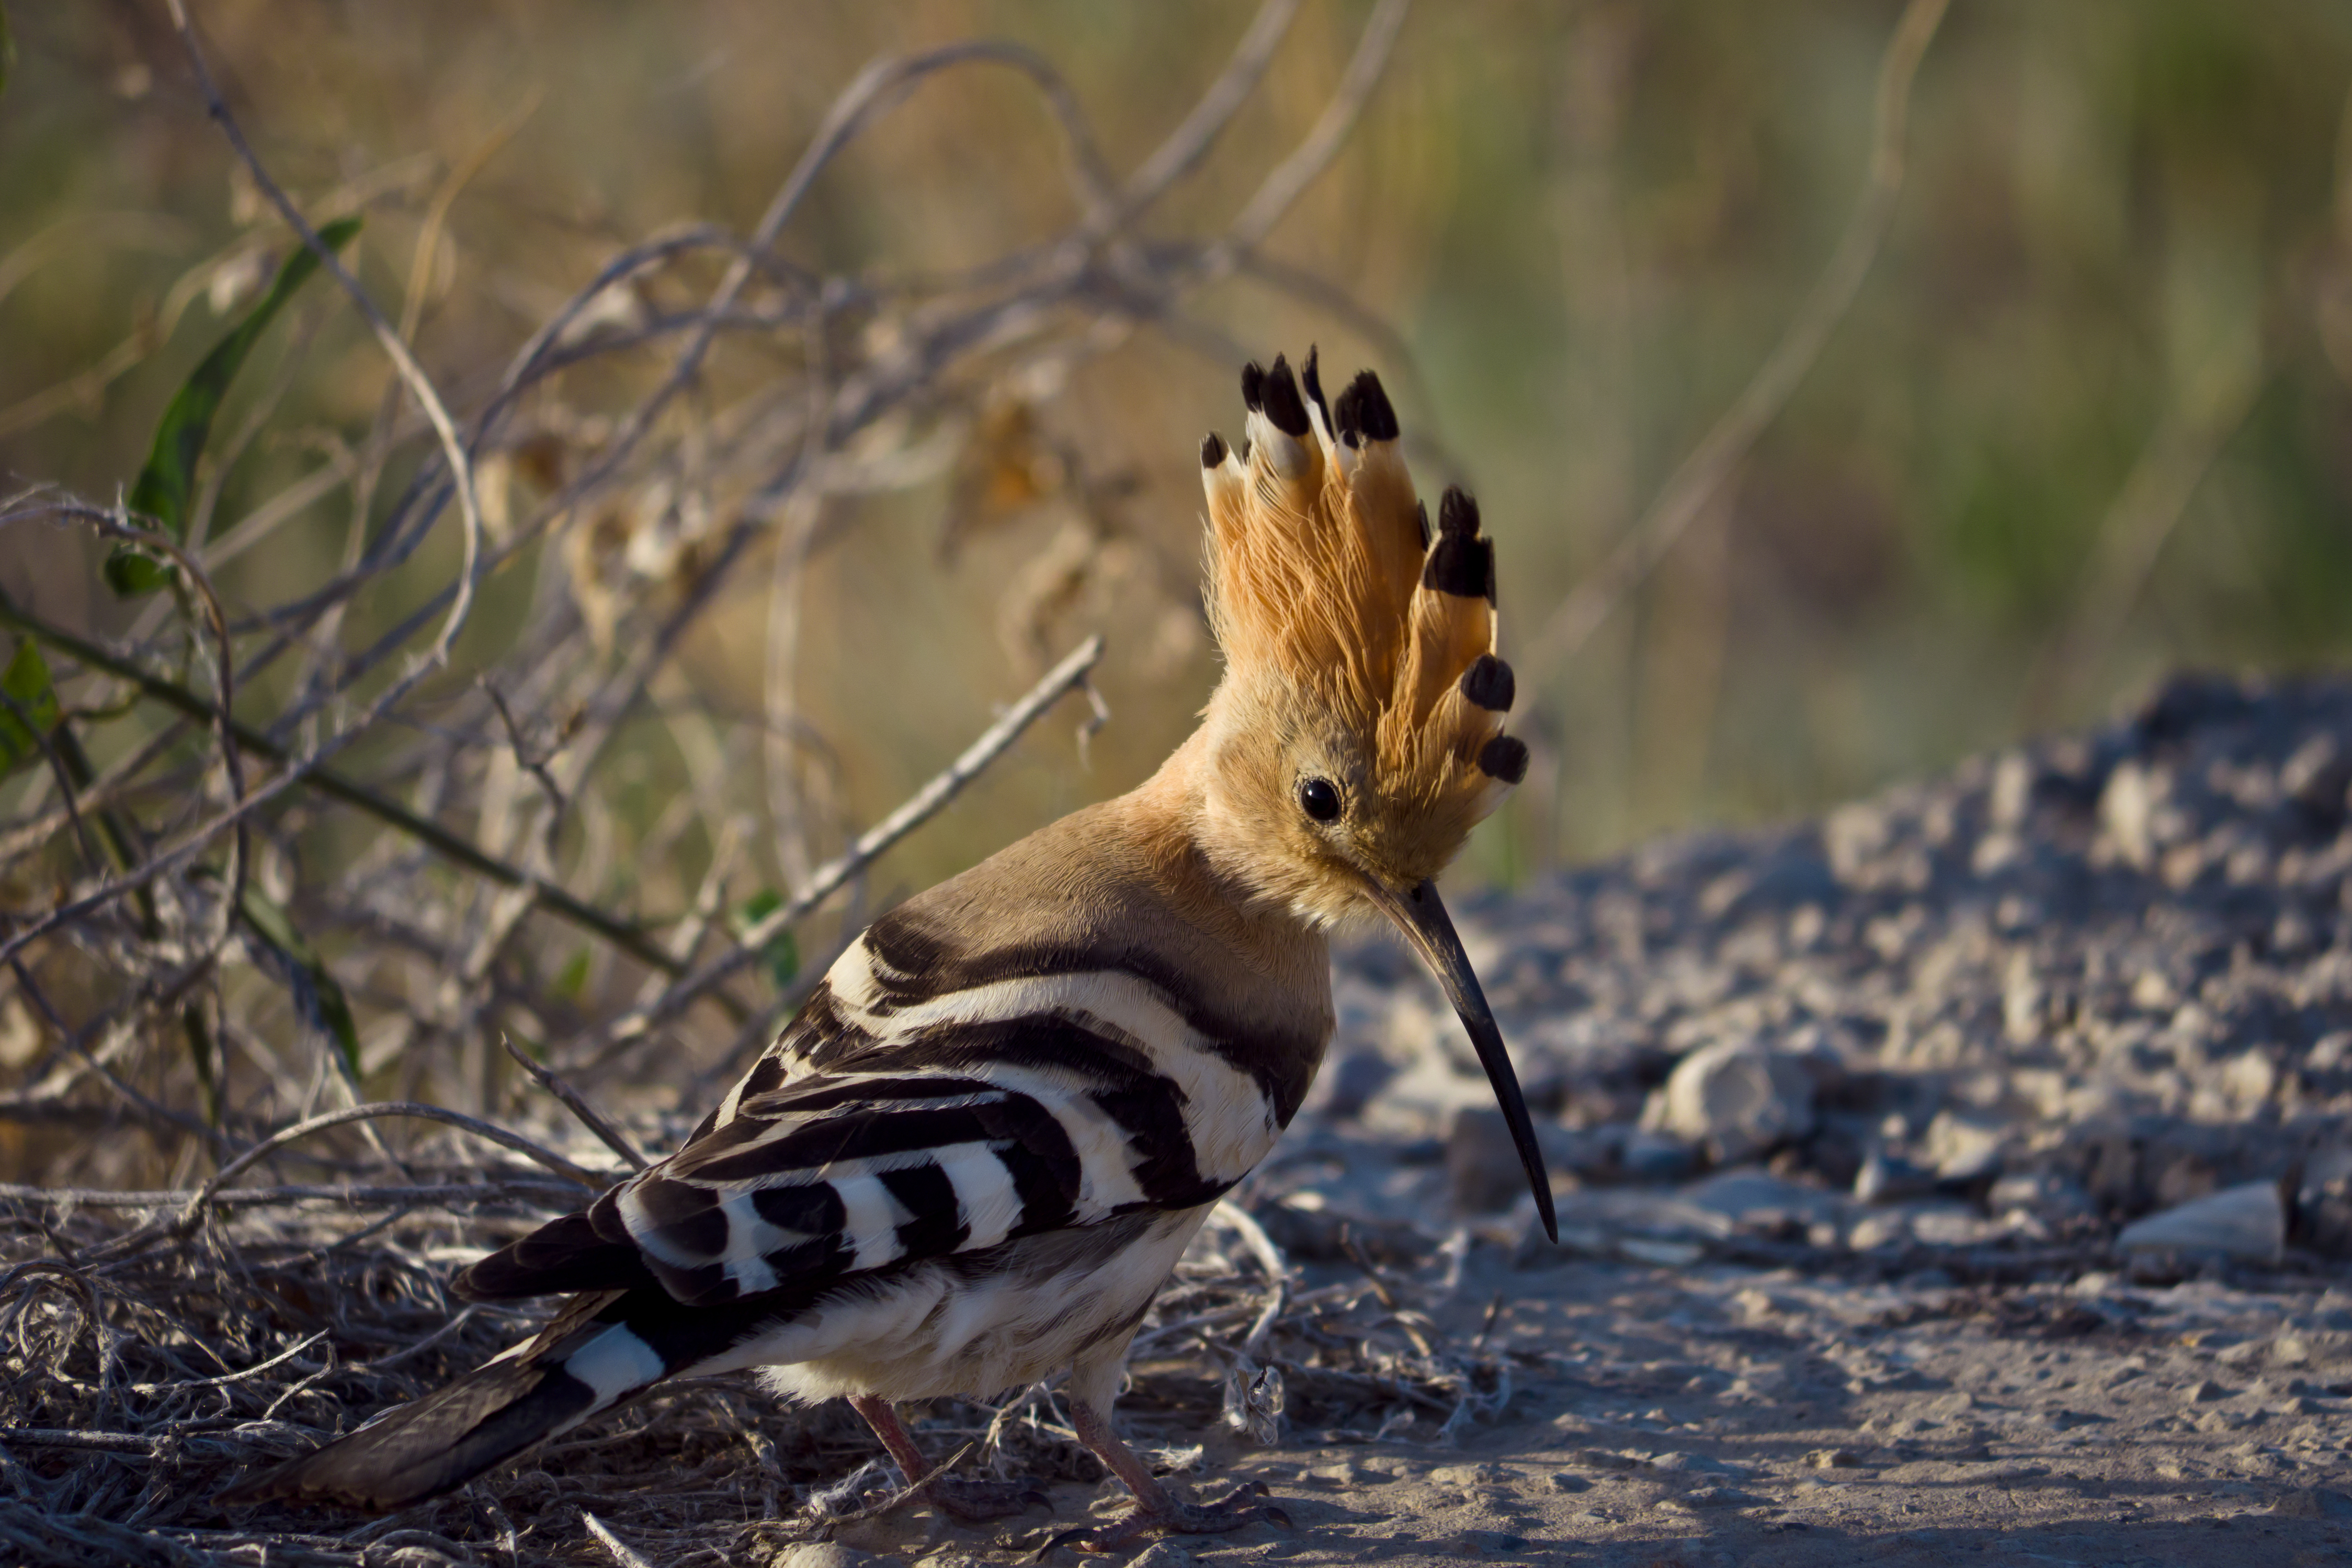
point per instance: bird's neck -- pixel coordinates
(1205, 875)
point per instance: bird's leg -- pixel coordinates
(964, 1498)
(1156, 1508)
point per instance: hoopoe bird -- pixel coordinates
(972, 1158)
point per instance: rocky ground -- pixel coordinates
(1965, 1174)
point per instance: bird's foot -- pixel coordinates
(968, 1500)
(1171, 1515)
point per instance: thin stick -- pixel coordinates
(420, 387)
(546, 1158)
(1269, 1258)
(1190, 143)
(1289, 179)
(624, 1554)
(546, 1194)
(611, 1137)
(1702, 474)
(630, 939)
(829, 878)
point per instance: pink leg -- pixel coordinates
(964, 1500)
(1156, 1508)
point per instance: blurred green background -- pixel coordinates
(2089, 418)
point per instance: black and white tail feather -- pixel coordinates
(939, 1127)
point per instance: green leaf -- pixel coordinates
(573, 979)
(167, 485)
(26, 682)
(317, 998)
(204, 1053)
(782, 954)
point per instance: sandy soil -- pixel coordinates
(1724, 1415)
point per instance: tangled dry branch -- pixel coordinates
(343, 878)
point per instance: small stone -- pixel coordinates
(1164, 1554)
(2244, 1221)
(1887, 1178)
(2312, 1502)
(824, 1555)
(1481, 1164)
(1349, 1082)
(1494, 1542)
(1561, 1481)
(1485, 1473)
(1651, 1156)
(1833, 1458)
(1738, 1097)
(2126, 807)
(2045, 1194)
(1695, 1462)
(2323, 1202)
(1718, 1496)
(1601, 1459)
(1964, 1148)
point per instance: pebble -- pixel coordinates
(1602, 1459)
(1833, 1458)
(823, 1554)
(1494, 1542)
(1737, 1099)
(2323, 1201)
(2244, 1221)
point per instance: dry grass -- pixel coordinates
(257, 956)
(159, 1346)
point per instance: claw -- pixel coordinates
(1178, 1518)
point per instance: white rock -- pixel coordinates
(823, 1554)
(2244, 1221)
(2124, 807)
(1739, 1098)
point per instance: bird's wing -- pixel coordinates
(903, 1115)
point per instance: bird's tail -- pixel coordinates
(586, 1362)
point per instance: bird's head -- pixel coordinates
(1356, 738)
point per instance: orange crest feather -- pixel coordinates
(1324, 571)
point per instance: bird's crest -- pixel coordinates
(1324, 571)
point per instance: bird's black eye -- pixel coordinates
(1320, 799)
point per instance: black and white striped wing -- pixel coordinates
(885, 1126)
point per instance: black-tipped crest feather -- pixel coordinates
(1284, 407)
(1462, 565)
(1490, 684)
(1310, 376)
(1506, 758)
(1364, 408)
(1458, 513)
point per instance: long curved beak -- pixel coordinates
(1423, 919)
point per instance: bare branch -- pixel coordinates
(829, 878)
(611, 1137)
